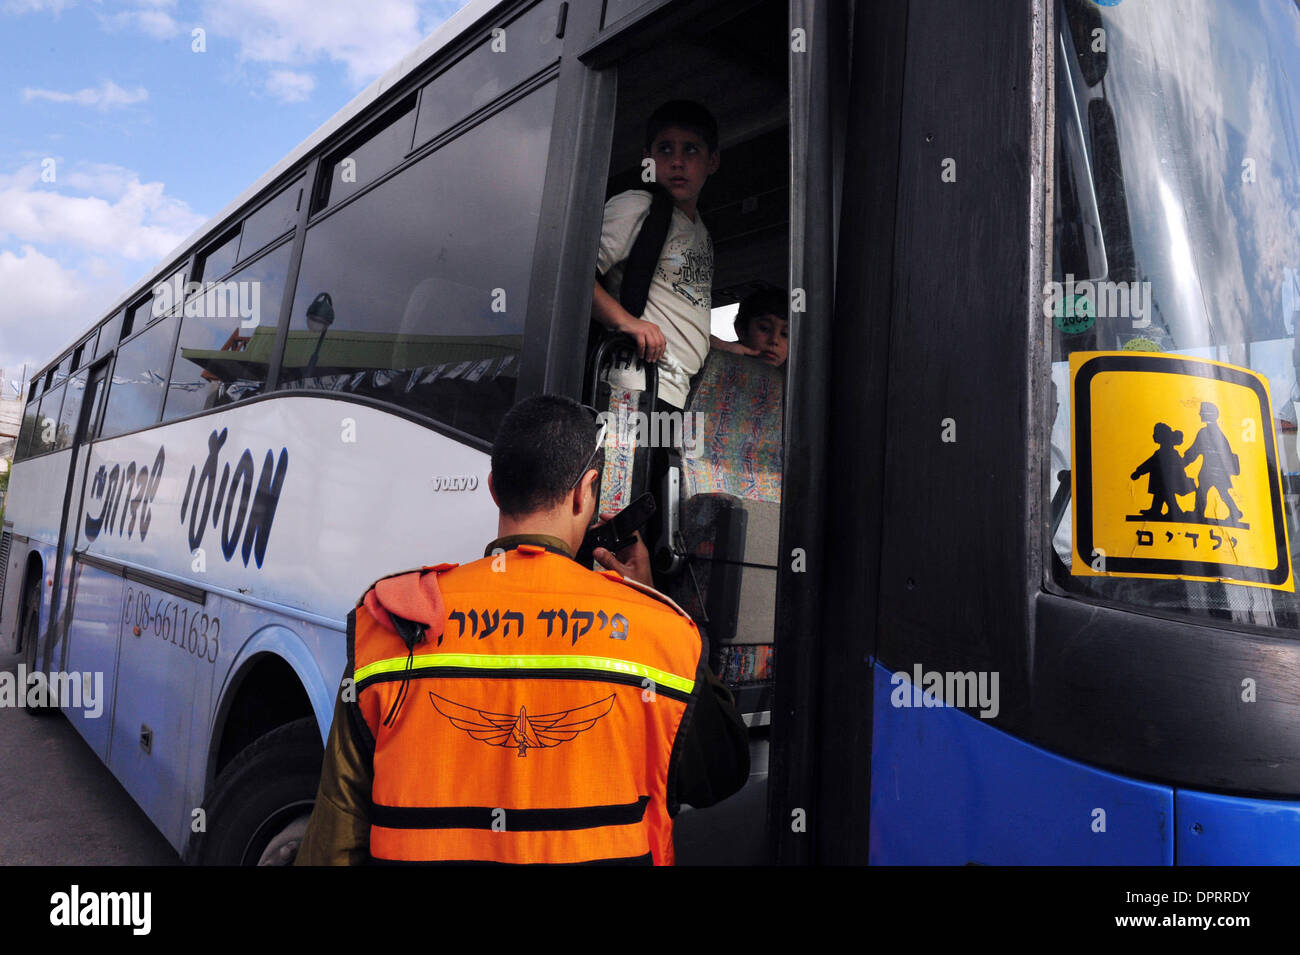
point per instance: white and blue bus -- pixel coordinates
(300, 399)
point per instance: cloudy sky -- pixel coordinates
(145, 138)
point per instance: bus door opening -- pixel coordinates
(719, 501)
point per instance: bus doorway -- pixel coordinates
(76, 425)
(719, 514)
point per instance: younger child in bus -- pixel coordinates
(762, 324)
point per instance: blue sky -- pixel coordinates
(150, 138)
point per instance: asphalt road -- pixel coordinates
(59, 805)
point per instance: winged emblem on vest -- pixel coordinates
(523, 730)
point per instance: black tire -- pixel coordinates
(264, 790)
(31, 632)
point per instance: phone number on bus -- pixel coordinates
(171, 620)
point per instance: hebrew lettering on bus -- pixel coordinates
(239, 503)
(227, 501)
(126, 491)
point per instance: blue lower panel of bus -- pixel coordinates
(947, 788)
(1230, 830)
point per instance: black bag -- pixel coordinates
(644, 257)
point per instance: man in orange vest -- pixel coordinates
(523, 708)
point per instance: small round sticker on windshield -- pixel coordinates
(1074, 313)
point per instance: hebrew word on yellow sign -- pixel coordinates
(1175, 471)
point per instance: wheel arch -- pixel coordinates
(34, 568)
(275, 680)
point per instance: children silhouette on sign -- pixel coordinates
(1219, 466)
(1168, 477)
(1167, 470)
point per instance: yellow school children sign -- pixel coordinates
(1175, 471)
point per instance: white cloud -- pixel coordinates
(99, 268)
(434, 13)
(156, 23)
(99, 178)
(46, 305)
(367, 38)
(148, 16)
(290, 87)
(108, 96)
(136, 221)
(288, 36)
(70, 255)
(36, 6)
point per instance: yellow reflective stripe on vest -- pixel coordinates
(479, 661)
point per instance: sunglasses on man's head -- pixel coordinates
(602, 430)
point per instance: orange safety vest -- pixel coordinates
(534, 716)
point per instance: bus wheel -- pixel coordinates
(257, 811)
(31, 618)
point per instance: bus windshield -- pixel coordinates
(1177, 210)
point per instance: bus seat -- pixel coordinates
(732, 546)
(741, 402)
(732, 512)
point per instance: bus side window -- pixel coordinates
(271, 221)
(109, 333)
(379, 148)
(47, 421)
(415, 292)
(139, 379)
(214, 362)
(70, 411)
(24, 447)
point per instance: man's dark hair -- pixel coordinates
(541, 444)
(688, 115)
(767, 301)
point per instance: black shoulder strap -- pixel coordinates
(644, 257)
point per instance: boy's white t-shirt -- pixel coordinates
(681, 290)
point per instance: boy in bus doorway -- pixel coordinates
(672, 326)
(681, 139)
